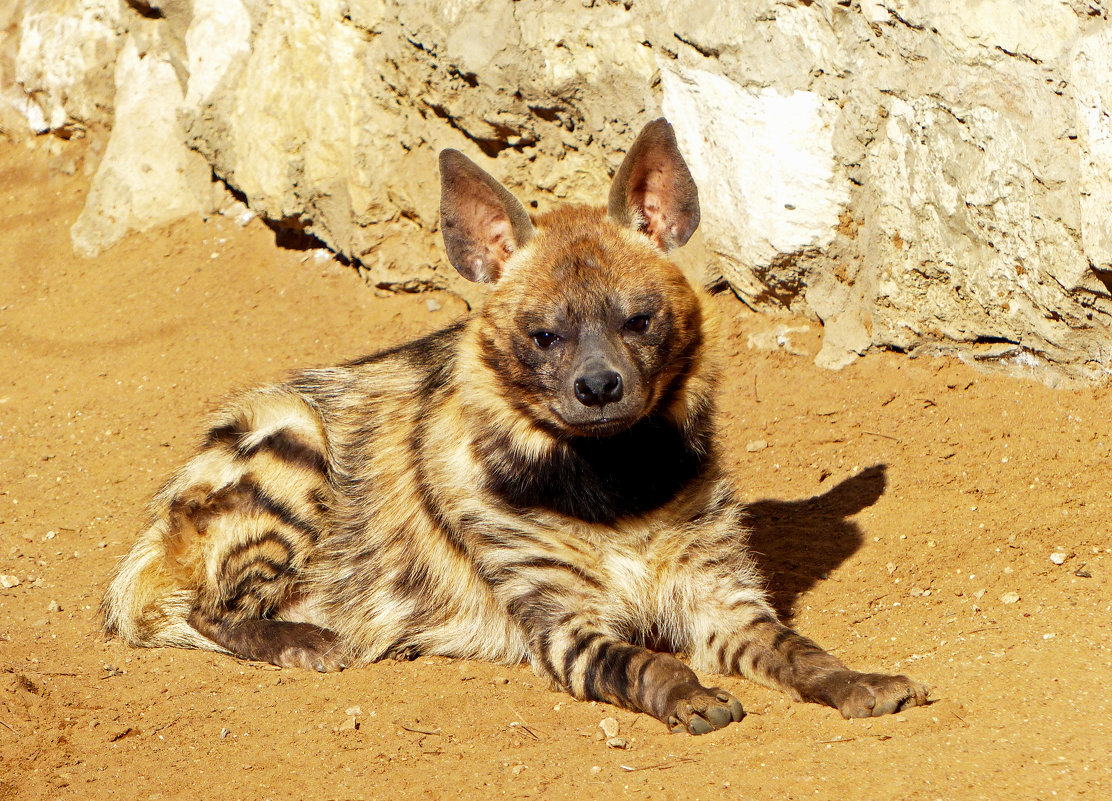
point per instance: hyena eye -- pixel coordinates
(637, 324)
(545, 339)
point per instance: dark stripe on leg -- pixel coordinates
(260, 500)
(580, 644)
(288, 447)
(227, 435)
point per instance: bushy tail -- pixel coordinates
(146, 605)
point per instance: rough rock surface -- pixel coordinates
(917, 175)
(148, 176)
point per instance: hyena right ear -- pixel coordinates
(653, 191)
(482, 223)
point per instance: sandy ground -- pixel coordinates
(905, 511)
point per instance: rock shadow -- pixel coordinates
(797, 543)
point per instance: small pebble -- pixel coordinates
(224, 733)
(54, 606)
(609, 727)
(7, 582)
(350, 724)
(1058, 558)
(501, 680)
(595, 769)
(353, 710)
(432, 304)
(1009, 598)
(756, 446)
(617, 742)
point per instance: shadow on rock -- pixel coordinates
(797, 543)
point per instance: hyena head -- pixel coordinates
(589, 327)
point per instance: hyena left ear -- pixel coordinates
(653, 191)
(482, 223)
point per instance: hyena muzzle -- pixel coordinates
(539, 481)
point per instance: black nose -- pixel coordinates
(599, 387)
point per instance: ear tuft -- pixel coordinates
(653, 191)
(482, 223)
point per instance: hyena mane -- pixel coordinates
(539, 481)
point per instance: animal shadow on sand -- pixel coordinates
(798, 543)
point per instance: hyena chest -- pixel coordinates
(619, 579)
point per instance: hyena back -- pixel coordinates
(537, 482)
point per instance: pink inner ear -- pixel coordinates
(497, 243)
(650, 195)
(492, 229)
(499, 236)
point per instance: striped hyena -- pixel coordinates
(539, 481)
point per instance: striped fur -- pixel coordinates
(538, 482)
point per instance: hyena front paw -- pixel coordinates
(696, 709)
(864, 695)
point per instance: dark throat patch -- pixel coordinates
(600, 480)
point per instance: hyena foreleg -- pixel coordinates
(751, 642)
(733, 630)
(580, 655)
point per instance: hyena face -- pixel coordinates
(589, 325)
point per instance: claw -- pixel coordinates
(698, 725)
(734, 705)
(705, 710)
(718, 716)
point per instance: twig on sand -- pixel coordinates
(656, 766)
(521, 722)
(417, 731)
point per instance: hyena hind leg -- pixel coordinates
(246, 544)
(222, 565)
(279, 642)
(253, 550)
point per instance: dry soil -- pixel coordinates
(905, 511)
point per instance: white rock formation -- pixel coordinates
(65, 60)
(758, 205)
(147, 177)
(916, 174)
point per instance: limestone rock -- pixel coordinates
(65, 59)
(759, 209)
(147, 176)
(922, 176)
